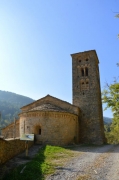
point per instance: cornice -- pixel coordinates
(47, 114)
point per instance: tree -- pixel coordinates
(110, 96)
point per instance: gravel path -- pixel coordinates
(95, 163)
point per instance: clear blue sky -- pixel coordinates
(38, 36)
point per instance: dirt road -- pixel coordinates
(94, 163)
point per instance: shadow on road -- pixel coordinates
(94, 148)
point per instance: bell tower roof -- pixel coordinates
(85, 55)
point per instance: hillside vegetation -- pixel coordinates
(10, 104)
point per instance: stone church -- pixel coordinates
(57, 122)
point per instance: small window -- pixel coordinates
(82, 72)
(87, 84)
(86, 71)
(79, 60)
(87, 59)
(39, 131)
(82, 82)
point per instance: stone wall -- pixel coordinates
(11, 131)
(53, 128)
(8, 149)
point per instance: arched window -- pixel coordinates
(87, 84)
(39, 130)
(82, 72)
(82, 85)
(86, 71)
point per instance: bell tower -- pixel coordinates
(87, 96)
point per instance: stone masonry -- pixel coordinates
(87, 96)
(53, 121)
(12, 130)
(56, 128)
(10, 148)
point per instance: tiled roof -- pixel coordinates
(48, 107)
(48, 96)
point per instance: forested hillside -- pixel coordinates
(107, 120)
(10, 104)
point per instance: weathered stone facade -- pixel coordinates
(87, 96)
(57, 122)
(12, 130)
(52, 121)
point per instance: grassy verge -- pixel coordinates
(44, 163)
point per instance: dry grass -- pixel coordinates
(83, 177)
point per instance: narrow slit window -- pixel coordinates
(86, 71)
(39, 131)
(87, 84)
(82, 72)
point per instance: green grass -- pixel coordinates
(44, 163)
